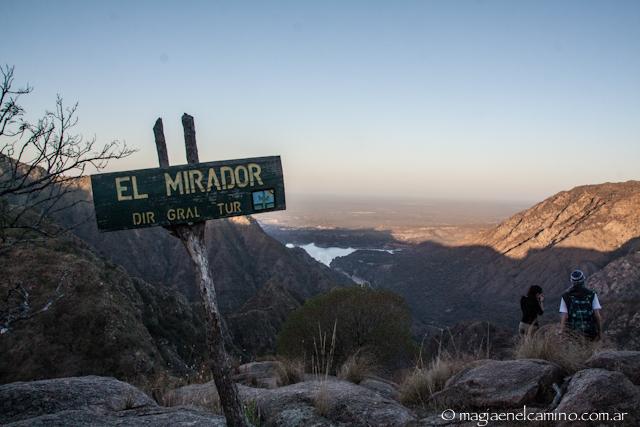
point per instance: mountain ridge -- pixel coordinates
(587, 227)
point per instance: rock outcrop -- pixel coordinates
(599, 390)
(144, 417)
(618, 287)
(320, 403)
(627, 362)
(23, 400)
(500, 384)
(91, 401)
(381, 386)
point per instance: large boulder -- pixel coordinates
(24, 400)
(599, 390)
(627, 362)
(90, 401)
(330, 402)
(309, 403)
(150, 416)
(383, 387)
(501, 384)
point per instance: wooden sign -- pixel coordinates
(187, 194)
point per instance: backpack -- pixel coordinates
(580, 316)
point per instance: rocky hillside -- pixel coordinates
(587, 227)
(618, 285)
(77, 314)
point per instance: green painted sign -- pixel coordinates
(187, 193)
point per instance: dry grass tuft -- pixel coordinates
(157, 385)
(357, 367)
(568, 350)
(418, 387)
(322, 357)
(290, 371)
(161, 387)
(204, 400)
(321, 400)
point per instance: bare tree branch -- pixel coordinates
(40, 162)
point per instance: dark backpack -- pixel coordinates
(579, 301)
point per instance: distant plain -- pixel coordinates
(384, 222)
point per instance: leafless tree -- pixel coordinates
(40, 163)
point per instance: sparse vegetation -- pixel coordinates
(357, 367)
(322, 356)
(290, 371)
(321, 401)
(157, 386)
(252, 413)
(418, 387)
(568, 350)
(129, 401)
(428, 378)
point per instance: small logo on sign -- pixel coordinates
(264, 199)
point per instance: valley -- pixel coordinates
(463, 272)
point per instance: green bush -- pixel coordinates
(372, 322)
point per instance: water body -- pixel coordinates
(326, 255)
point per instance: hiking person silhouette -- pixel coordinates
(580, 309)
(532, 306)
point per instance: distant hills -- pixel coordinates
(588, 227)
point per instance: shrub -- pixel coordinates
(373, 321)
(568, 350)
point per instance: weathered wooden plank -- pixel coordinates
(161, 144)
(190, 139)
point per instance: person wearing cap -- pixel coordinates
(580, 308)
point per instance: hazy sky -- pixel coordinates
(460, 99)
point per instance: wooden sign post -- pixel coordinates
(181, 199)
(192, 236)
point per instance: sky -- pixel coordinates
(479, 100)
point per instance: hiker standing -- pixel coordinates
(580, 309)
(532, 306)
